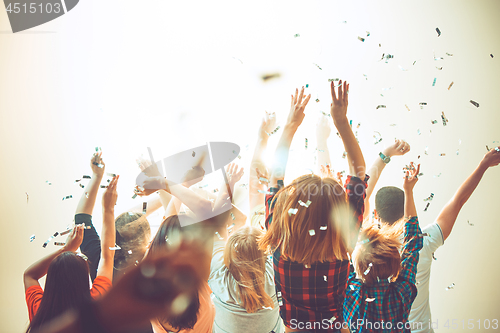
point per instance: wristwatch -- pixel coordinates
(384, 158)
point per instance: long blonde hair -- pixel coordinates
(317, 233)
(247, 264)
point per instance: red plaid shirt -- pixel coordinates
(388, 303)
(315, 294)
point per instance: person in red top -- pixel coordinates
(312, 225)
(67, 282)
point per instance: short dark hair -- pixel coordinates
(389, 203)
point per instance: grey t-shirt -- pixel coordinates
(230, 317)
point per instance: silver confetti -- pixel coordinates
(312, 232)
(305, 204)
(368, 269)
(451, 286)
(292, 211)
(32, 238)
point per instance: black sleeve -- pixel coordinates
(91, 245)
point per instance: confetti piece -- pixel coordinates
(438, 175)
(86, 177)
(407, 107)
(491, 55)
(361, 39)
(434, 82)
(48, 183)
(69, 230)
(439, 69)
(67, 197)
(351, 286)
(425, 209)
(317, 100)
(451, 286)
(423, 235)
(451, 85)
(422, 105)
(307, 85)
(81, 185)
(334, 80)
(144, 207)
(216, 190)
(50, 239)
(449, 54)
(115, 248)
(134, 196)
(497, 149)
(103, 186)
(380, 106)
(292, 211)
(443, 117)
(312, 232)
(442, 154)
(318, 67)
(32, 238)
(323, 227)
(28, 197)
(59, 243)
(366, 76)
(305, 204)
(306, 143)
(369, 299)
(232, 216)
(262, 179)
(296, 35)
(476, 104)
(429, 198)
(418, 131)
(331, 320)
(344, 155)
(433, 257)
(307, 266)
(129, 251)
(110, 174)
(378, 137)
(368, 269)
(438, 31)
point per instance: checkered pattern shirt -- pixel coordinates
(315, 293)
(391, 302)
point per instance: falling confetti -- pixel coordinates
(361, 39)
(407, 108)
(48, 183)
(305, 204)
(50, 239)
(451, 85)
(438, 175)
(449, 54)
(323, 227)
(67, 197)
(443, 117)
(86, 177)
(439, 69)
(59, 243)
(427, 206)
(418, 131)
(144, 207)
(318, 67)
(451, 286)
(438, 31)
(491, 55)
(344, 155)
(380, 106)
(434, 122)
(306, 143)
(442, 154)
(378, 137)
(434, 82)
(429, 198)
(28, 197)
(312, 232)
(232, 216)
(433, 257)
(296, 35)
(292, 211)
(476, 104)
(471, 224)
(32, 238)
(368, 269)
(115, 248)
(369, 300)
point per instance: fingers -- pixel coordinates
(341, 92)
(417, 171)
(306, 100)
(332, 88)
(295, 96)
(301, 95)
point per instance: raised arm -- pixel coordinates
(108, 233)
(449, 213)
(267, 126)
(398, 148)
(233, 175)
(39, 268)
(413, 234)
(295, 118)
(323, 131)
(87, 201)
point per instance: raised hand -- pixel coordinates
(111, 195)
(193, 176)
(411, 177)
(297, 107)
(97, 164)
(338, 108)
(233, 174)
(74, 239)
(491, 158)
(398, 148)
(268, 125)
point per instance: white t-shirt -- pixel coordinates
(230, 317)
(420, 310)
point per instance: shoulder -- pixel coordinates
(100, 286)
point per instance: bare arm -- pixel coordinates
(254, 185)
(449, 213)
(87, 201)
(339, 114)
(108, 233)
(295, 118)
(399, 148)
(409, 182)
(39, 268)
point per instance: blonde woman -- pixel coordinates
(242, 283)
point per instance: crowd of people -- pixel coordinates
(307, 256)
